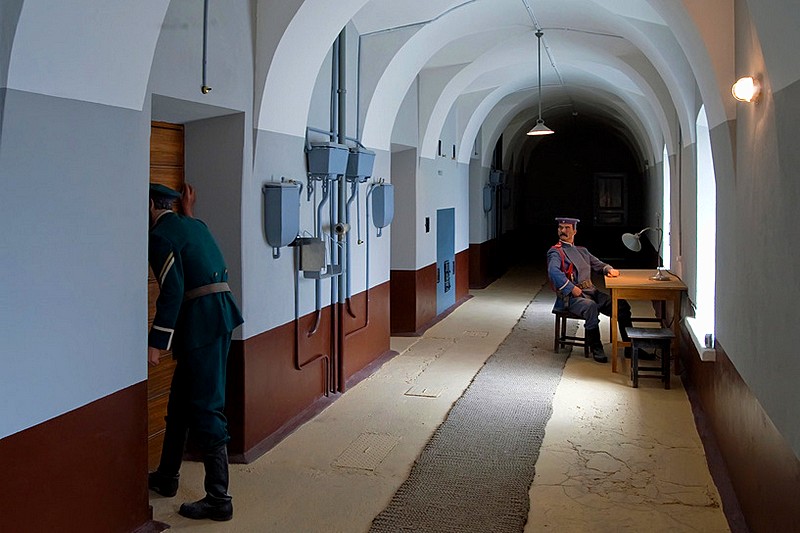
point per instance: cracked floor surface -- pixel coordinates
(614, 458)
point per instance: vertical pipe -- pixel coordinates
(342, 131)
(318, 283)
(353, 190)
(334, 85)
(205, 88)
(336, 316)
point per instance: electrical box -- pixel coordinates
(281, 212)
(383, 205)
(327, 159)
(312, 253)
(488, 198)
(359, 163)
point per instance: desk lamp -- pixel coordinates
(633, 241)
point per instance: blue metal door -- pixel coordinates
(445, 259)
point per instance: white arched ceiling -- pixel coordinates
(513, 121)
(291, 72)
(645, 119)
(704, 32)
(502, 63)
(388, 94)
(566, 45)
(656, 50)
(110, 62)
(609, 73)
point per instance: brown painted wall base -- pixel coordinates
(462, 275)
(266, 390)
(413, 295)
(480, 270)
(763, 470)
(413, 300)
(83, 471)
(489, 260)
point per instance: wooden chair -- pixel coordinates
(655, 339)
(561, 339)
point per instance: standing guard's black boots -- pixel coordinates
(596, 345)
(164, 480)
(217, 504)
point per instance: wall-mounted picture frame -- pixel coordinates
(610, 199)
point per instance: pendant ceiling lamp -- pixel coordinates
(540, 128)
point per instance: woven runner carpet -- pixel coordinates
(474, 473)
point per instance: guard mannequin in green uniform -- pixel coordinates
(195, 315)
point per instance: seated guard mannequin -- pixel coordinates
(569, 268)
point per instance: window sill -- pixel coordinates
(696, 332)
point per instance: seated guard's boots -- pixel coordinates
(217, 504)
(596, 345)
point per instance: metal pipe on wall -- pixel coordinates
(333, 117)
(342, 191)
(348, 280)
(366, 274)
(325, 358)
(205, 89)
(318, 283)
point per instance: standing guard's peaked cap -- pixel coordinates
(156, 189)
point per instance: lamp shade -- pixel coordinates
(632, 242)
(540, 129)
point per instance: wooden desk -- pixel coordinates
(637, 285)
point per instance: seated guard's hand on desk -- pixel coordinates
(612, 273)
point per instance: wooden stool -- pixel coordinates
(561, 339)
(656, 339)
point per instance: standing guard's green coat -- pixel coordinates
(185, 257)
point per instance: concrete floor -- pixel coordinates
(614, 458)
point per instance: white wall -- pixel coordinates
(479, 222)
(74, 309)
(92, 52)
(406, 220)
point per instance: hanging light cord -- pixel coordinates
(539, 40)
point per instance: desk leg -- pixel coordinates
(676, 329)
(614, 341)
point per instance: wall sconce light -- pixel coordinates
(746, 89)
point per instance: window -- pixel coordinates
(703, 322)
(666, 221)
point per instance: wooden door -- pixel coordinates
(166, 168)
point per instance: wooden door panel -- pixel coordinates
(166, 168)
(166, 145)
(172, 177)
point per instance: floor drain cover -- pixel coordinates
(367, 451)
(425, 392)
(474, 333)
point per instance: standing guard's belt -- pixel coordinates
(211, 288)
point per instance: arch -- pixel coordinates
(289, 64)
(88, 69)
(390, 90)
